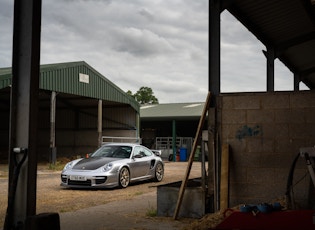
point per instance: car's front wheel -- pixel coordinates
(159, 172)
(124, 178)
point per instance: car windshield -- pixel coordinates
(115, 151)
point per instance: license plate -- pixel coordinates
(80, 178)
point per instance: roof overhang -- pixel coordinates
(172, 111)
(288, 26)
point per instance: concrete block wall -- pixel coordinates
(265, 132)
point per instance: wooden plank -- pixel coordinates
(224, 185)
(192, 155)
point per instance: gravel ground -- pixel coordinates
(128, 208)
(126, 214)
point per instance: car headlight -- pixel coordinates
(68, 166)
(107, 167)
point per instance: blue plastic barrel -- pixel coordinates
(183, 154)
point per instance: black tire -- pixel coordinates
(124, 178)
(159, 172)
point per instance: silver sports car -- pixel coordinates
(113, 165)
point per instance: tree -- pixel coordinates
(144, 96)
(130, 93)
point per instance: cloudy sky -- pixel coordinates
(161, 44)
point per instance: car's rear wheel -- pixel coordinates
(124, 178)
(159, 172)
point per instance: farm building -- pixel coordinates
(264, 131)
(160, 123)
(78, 107)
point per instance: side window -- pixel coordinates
(146, 152)
(143, 152)
(136, 151)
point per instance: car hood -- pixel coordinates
(92, 163)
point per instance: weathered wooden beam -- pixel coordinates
(191, 156)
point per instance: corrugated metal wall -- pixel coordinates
(113, 118)
(65, 78)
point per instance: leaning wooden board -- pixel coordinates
(191, 157)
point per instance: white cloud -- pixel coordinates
(158, 44)
(140, 42)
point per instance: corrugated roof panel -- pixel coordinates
(65, 78)
(173, 110)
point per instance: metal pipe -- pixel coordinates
(24, 105)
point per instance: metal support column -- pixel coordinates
(174, 139)
(214, 88)
(138, 127)
(24, 113)
(53, 156)
(214, 48)
(296, 82)
(270, 55)
(100, 123)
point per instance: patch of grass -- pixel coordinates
(138, 193)
(56, 167)
(151, 212)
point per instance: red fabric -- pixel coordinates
(282, 220)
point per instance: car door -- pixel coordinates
(140, 162)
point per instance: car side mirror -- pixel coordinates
(137, 156)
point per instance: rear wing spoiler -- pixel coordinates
(157, 152)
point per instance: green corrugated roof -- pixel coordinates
(5, 77)
(172, 111)
(64, 77)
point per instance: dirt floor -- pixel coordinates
(130, 208)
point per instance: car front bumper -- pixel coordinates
(84, 179)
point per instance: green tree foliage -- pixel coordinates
(130, 93)
(144, 96)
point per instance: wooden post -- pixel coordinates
(191, 157)
(224, 185)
